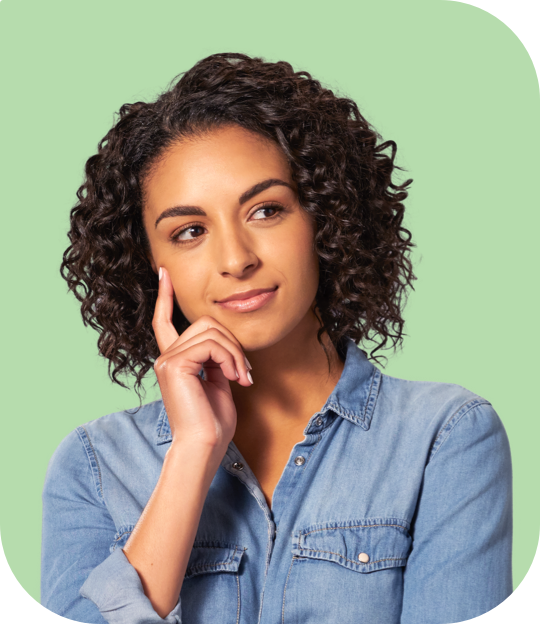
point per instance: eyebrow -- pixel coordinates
(183, 211)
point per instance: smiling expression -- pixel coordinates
(222, 216)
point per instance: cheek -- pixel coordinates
(297, 258)
(189, 289)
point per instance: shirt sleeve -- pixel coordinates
(460, 565)
(80, 578)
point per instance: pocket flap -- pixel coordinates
(121, 537)
(363, 545)
(209, 557)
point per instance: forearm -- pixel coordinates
(161, 543)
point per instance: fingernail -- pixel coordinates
(237, 375)
(248, 365)
(160, 272)
(250, 377)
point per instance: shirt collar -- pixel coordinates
(356, 392)
(353, 397)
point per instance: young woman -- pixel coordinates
(242, 234)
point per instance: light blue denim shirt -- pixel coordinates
(396, 507)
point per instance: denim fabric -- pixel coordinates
(399, 511)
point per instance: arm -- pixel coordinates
(141, 583)
(202, 416)
(161, 543)
(81, 579)
(460, 563)
(77, 534)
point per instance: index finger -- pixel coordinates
(207, 322)
(162, 324)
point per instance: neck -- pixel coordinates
(292, 380)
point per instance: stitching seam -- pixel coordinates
(356, 526)
(122, 535)
(329, 552)
(369, 395)
(213, 565)
(285, 592)
(238, 609)
(443, 431)
(97, 463)
(315, 444)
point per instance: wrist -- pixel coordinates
(195, 456)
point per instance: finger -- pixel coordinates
(190, 360)
(162, 324)
(244, 376)
(203, 324)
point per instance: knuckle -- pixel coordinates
(218, 335)
(210, 342)
(206, 319)
(214, 343)
(164, 370)
(161, 365)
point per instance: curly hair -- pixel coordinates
(343, 178)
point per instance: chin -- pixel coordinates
(258, 336)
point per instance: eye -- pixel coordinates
(178, 238)
(189, 233)
(263, 211)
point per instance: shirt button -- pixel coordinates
(363, 557)
(238, 466)
(299, 460)
(319, 421)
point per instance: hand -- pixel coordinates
(199, 410)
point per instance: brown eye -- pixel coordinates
(266, 212)
(196, 230)
(189, 233)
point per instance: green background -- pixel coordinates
(451, 84)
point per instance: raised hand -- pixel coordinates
(200, 410)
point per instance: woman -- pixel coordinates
(242, 234)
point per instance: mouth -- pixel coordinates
(247, 294)
(249, 300)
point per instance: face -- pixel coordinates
(223, 218)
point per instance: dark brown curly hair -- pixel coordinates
(343, 178)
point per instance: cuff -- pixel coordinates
(116, 589)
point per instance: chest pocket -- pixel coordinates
(212, 583)
(363, 546)
(207, 557)
(347, 572)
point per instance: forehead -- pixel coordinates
(221, 164)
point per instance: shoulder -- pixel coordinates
(140, 422)
(79, 452)
(437, 409)
(430, 394)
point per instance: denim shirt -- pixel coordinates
(396, 507)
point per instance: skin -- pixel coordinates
(235, 248)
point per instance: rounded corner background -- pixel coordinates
(52, 60)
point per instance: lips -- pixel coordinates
(247, 294)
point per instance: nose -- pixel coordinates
(235, 255)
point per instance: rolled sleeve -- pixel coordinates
(460, 565)
(116, 589)
(80, 578)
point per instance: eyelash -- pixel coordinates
(176, 240)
